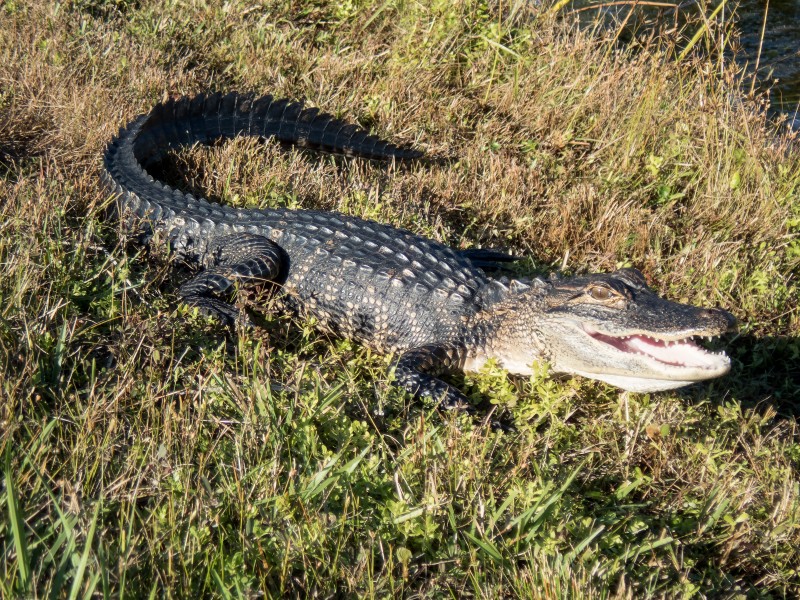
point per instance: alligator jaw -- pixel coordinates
(673, 361)
(609, 327)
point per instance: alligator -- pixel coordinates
(433, 308)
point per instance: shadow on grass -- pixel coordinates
(765, 372)
(767, 369)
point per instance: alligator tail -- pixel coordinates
(206, 117)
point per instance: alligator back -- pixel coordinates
(384, 286)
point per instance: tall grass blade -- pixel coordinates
(488, 547)
(224, 592)
(76, 583)
(17, 525)
(558, 6)
(760, 47)
(696, 37)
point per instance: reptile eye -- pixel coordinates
(600, 293)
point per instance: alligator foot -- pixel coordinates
(414, 372)
(243, 257)
(415, 369)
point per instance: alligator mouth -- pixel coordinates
(682, 353)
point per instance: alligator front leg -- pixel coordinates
(241, 257)
(416, 370)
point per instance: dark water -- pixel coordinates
(776, 54)
(780, 53)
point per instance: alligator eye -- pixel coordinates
(600, 293)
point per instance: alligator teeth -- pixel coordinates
(683, 353)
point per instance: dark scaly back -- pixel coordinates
(377, 283)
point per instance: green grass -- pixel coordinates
(147, 452)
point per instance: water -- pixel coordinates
(780, 53)
(779, 50)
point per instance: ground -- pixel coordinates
(149, 451)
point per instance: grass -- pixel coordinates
(148, 452)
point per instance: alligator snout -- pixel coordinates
(721, 318)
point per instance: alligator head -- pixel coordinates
(610, 327)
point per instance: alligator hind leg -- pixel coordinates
(416, 370)
(241, 257)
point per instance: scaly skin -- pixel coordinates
(431, 306)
